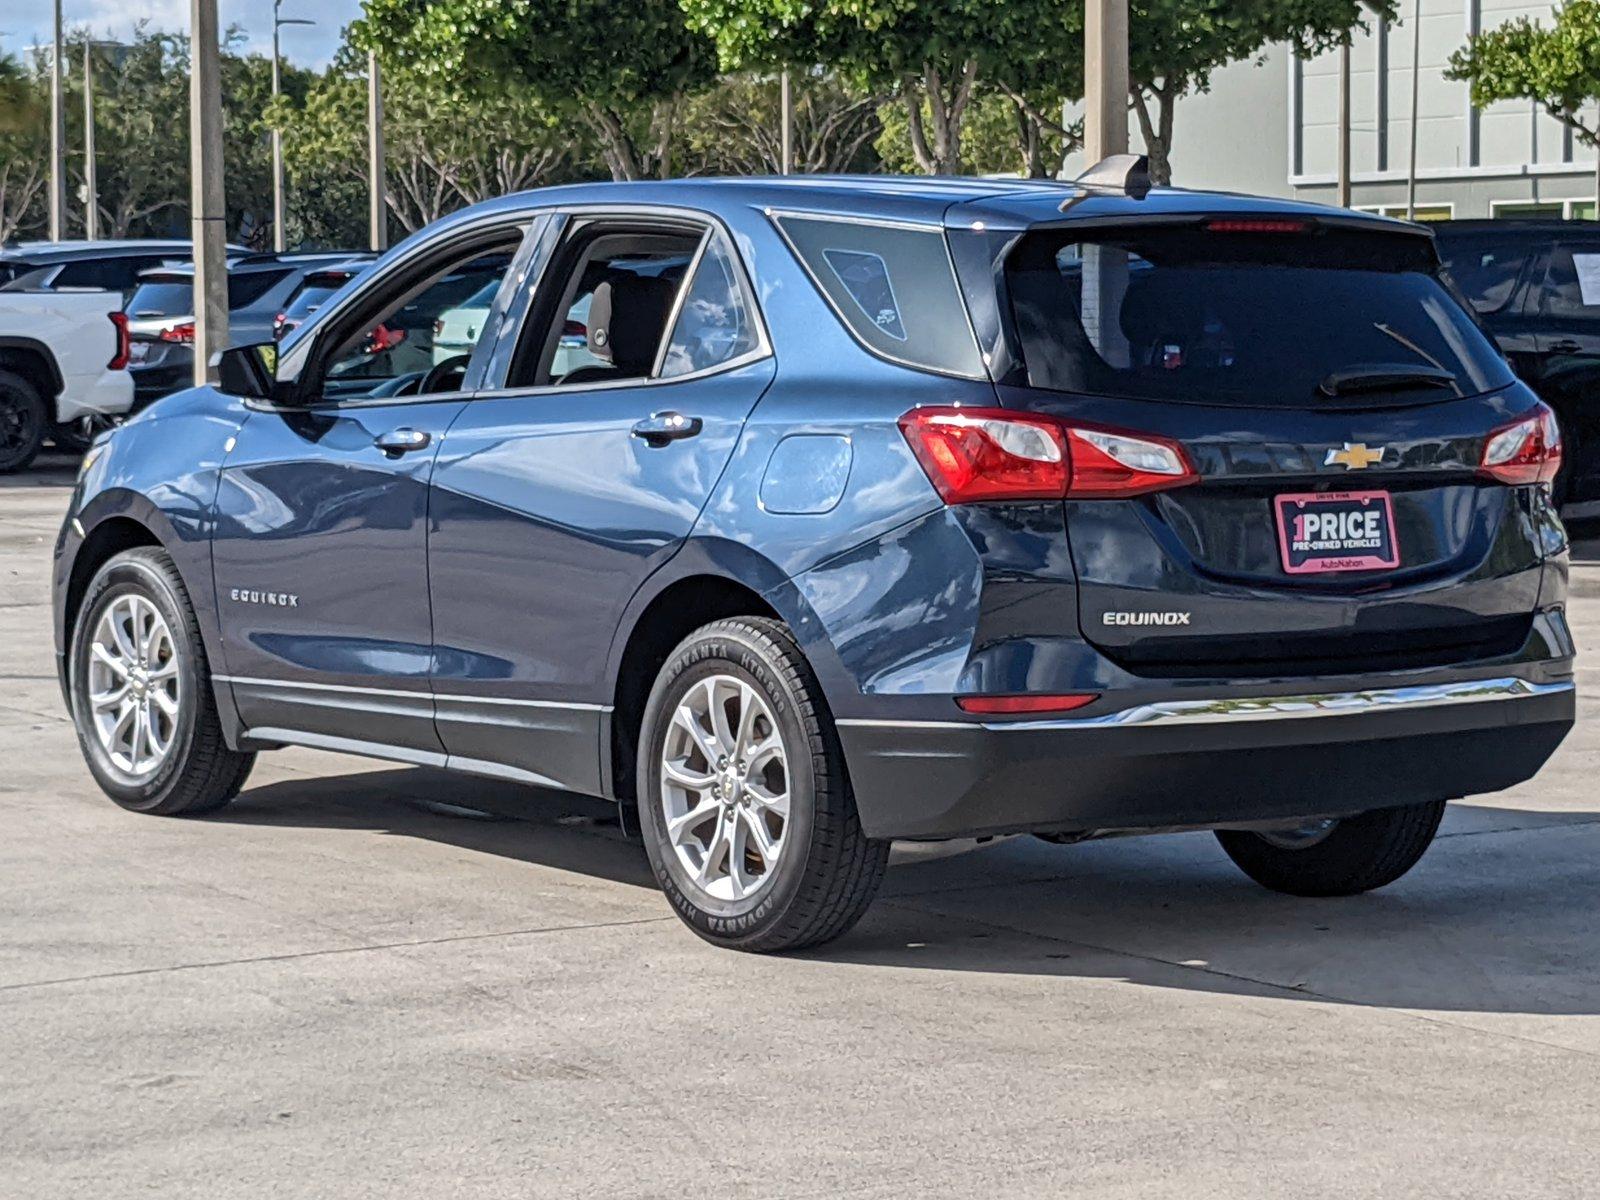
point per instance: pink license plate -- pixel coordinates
(1321, 532)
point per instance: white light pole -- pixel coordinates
(58, 138)
(1416, 70)
(377, 210)
(786, 115)
(207, 214)
(279, 235)
(91, 188)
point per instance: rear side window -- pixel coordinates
(893, 286)
(1274, 319)
(714, 321)
(1486, 270)
(1572, 283)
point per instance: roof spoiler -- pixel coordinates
(1128, 173)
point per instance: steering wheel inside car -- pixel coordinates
(445, 376)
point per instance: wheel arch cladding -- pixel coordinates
(105, 541)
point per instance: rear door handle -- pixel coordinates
(402, 441)
(663, 427)
(1565, 346)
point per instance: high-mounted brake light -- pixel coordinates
(976, 454)
(1256, 225)
(1011, 706)
(1528, 450)
(178, 333)
(119, 360)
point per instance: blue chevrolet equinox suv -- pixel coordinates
(799, 515)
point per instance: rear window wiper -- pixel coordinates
(1384, 377)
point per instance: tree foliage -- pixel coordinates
(735, 127)
(623, 68)
(937, 56)
(1176, 45)
(1557, 67)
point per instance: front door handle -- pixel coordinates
(663, 427)
(402, 441)
(1565, 346)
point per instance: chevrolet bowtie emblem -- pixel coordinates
(1355, 458)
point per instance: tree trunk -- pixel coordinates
(936, 140)
(1156, 128)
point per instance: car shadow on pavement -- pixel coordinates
(1501, 916)
(51, 469)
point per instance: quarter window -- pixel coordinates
(894, 288)
(1485, 270)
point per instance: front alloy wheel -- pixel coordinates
(134, 685)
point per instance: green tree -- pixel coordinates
(623, 68)
(1557, 67)
(23, 149)
(1175, 45)
(442, 150)
(734, 128)
(937, 57)
(998, 137)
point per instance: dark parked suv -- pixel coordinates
(803, 515)
(1535, 285)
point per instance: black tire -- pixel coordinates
(1357, 855)
(23, 422)
(71, 439)
(828, 870)
(199, 774)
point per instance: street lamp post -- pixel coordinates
(58, 138)
(377, 207)
(91, 188)
(1105, 79)
(279, 235)
(206, 198)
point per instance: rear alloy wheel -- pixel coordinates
(141, 692)
(747, 815)
(22, 422)
(1336, 856)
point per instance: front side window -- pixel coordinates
(405, 348)
(894, 288)
(714, 323)
(1240, 317)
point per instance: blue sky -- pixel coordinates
(24, 22)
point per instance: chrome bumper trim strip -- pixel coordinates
(1221, 709)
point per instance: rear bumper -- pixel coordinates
(107, 395)
(1180, 763)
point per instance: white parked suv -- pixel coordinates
(63, 369)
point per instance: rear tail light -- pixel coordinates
(1011, 706)
(1526, 451)
(119, 360)
(178, 333)
(976, 454)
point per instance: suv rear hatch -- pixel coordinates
(1334, 399)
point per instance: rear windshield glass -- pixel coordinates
(894, 287)
(1243, 318)
(308, 297)
(175, 297)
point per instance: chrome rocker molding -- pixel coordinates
(1270, 708)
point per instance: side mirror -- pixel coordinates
(252, 372)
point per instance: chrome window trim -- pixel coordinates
(776, 216)
(1227, 709)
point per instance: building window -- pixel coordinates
(1425, 212)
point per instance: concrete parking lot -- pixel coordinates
(363, 980)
